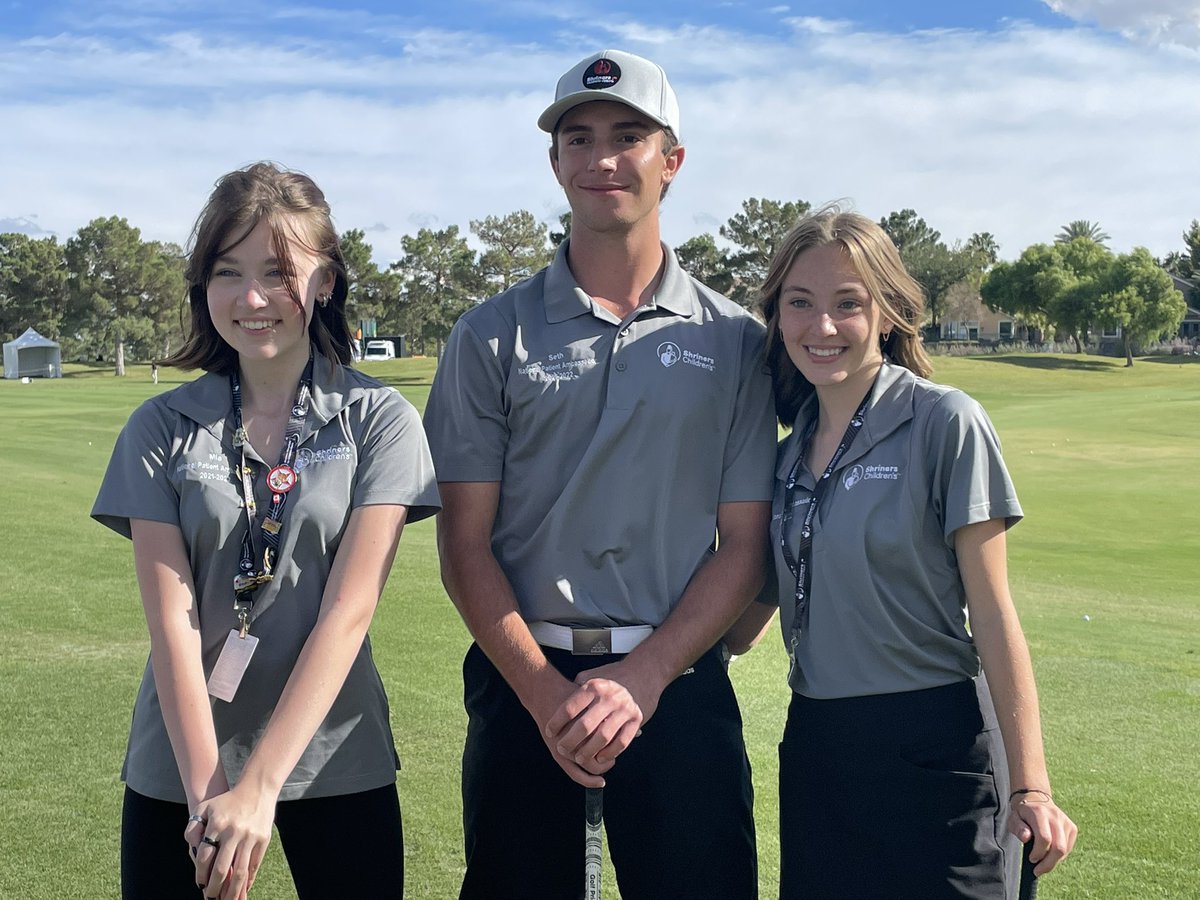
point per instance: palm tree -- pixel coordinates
(1082, 228)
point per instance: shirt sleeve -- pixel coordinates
(136, 484)
(394, 463)
(970, 481)
(466, 416)
(749, 462)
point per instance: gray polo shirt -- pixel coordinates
(613, 441)
(173, 462)
(887, 609)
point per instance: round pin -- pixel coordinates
(281, 479)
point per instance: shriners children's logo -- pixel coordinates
(857, 474)
(668, 353)
(601, 75)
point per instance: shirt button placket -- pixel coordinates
(618, 345)
(616, 395)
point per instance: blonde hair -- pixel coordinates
(877, 262)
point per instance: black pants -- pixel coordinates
(893, 796)
(345, 846)
(678, 804)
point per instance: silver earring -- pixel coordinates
(324, 299)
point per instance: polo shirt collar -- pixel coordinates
(891, 405)
(208, 403)
(891, 402)
(565, 299)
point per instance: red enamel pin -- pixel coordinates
(281, 479)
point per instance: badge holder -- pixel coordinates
(240, 645)
(232, 664)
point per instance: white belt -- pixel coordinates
(590, 641)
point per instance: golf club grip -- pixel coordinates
(593, 808)
(1028, 886)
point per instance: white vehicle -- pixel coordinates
(379, 350)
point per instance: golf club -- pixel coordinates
(593, 807)
(1028, 886)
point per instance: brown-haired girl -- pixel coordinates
(265, 501)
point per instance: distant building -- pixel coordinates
(1189, 328)
(967, 318)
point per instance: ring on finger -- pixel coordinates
(211, 841)
(197, 818)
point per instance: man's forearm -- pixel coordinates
(715, 598)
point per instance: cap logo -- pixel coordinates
(601, 75)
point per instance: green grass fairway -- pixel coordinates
(1104, 569)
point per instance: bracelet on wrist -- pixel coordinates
(1023, 794)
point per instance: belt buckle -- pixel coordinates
(591, 641)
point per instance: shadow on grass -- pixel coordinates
(397, 381)
(1170, 360)
(1052, 363)
(89, 369)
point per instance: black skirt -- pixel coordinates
(895, 796)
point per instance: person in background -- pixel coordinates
(888, 526)
(265, 501)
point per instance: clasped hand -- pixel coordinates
(229, 842)
(598, 720)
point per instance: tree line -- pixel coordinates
(1077, 282)
(107, 292)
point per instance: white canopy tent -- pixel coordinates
(32, 354)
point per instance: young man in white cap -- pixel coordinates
(604, 443)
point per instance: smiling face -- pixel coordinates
(829, 323)
(609, 160)
(251, 305)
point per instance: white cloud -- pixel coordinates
(1155, 21)
(1013, 132)
(817, 25)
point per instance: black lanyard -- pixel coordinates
(802, 567)
(281, 479)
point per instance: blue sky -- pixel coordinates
(1011, 117)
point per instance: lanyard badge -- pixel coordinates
(255, 569)
(256, 566)
(800, 564)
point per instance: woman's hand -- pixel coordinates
(1035, 817)
(229, 834)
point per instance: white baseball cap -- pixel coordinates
(619, 77)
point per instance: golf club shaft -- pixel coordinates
(1028, 886)
(593, 801)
